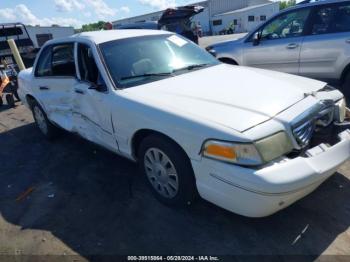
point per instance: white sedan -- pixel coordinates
(248, 140)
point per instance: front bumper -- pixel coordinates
(262, 192)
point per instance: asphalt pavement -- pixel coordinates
(70, 197)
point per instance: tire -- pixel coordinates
(10, 100)
(1, 101)
(169, 172)
(45, 126)
(346, 87)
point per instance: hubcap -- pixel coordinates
(40, 119)
(161, 173)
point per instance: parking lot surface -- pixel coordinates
(70, 197)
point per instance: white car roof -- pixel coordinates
(99, 37)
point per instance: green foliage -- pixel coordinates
(286, 4)
(100, 25)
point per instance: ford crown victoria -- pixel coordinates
(249, 140)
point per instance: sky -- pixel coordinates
(78, 12)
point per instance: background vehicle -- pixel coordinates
(228, 30)
(8, 68)
(177, 20)
(140, 25)
(19, 33)
(8, 85)
(311, 39)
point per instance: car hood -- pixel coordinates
(232, 96)
(226, 43)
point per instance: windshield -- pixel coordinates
(141, 60)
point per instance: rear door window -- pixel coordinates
(56, 60)
(63, 60)
(331, 19)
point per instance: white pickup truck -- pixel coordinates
(248, 140)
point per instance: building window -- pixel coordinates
(263, 18)
(251, 18)
(217, 22)
(43, 38)
(235, 22)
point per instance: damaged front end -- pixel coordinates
(320, 126)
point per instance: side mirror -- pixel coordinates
(256, 38)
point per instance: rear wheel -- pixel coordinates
(168, 170)
(42, 122)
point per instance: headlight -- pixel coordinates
(274, 146)
(249, 154)
(211, 50)
(243, 154)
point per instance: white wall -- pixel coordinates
(242, 18)
(57, 32)
(222, 6)
(147, 17)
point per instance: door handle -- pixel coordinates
(292, 46)
(44, 88)
(78, 91)
(348, 41)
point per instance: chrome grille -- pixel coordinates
(304, 132)
(319, 116)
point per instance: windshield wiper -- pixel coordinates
(190, 67)
(147, 75)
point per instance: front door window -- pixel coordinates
(286, 26)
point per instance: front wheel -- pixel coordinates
(42, 122)
(168, 171)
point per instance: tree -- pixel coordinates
(100, 25)
(287, 3)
